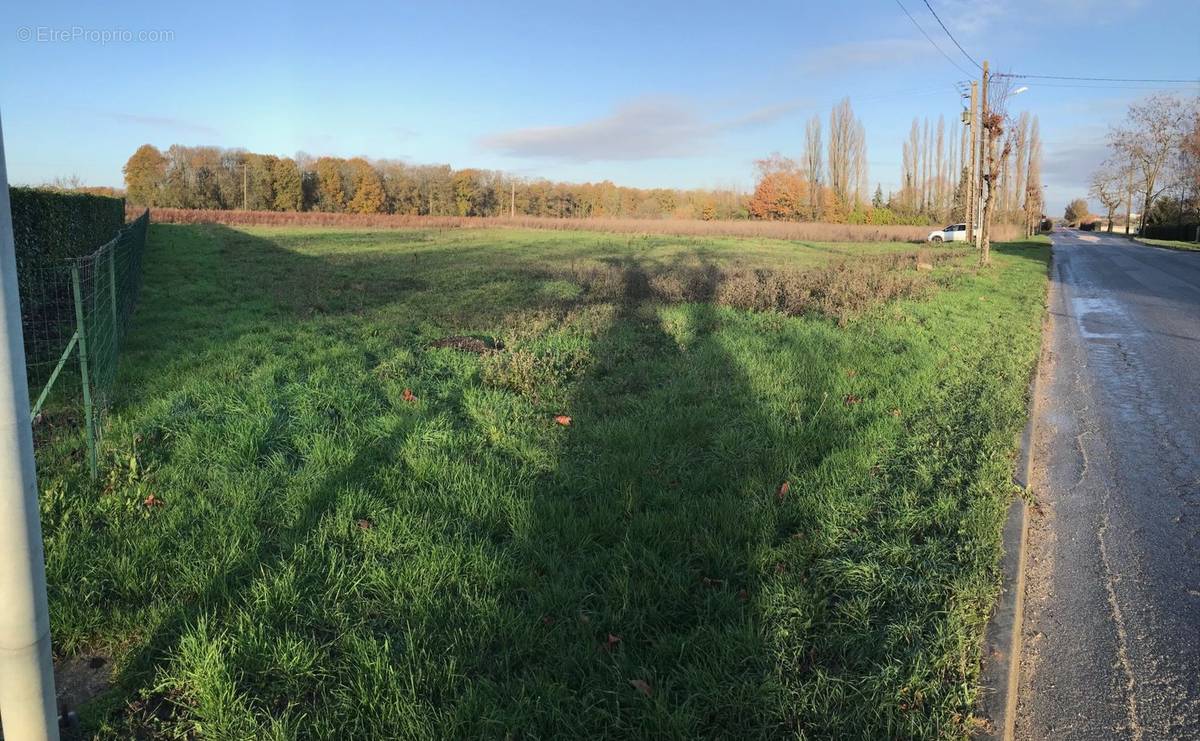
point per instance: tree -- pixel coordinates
(1107, 184)
(781, 192)
(813, 166)
(877, 200)
(1077, 212)
(368, 195)
(1154, 130)
(289, 188)
(145, 171)
(331, 188)
(993, 125)
(1034, 204)
(847, 150)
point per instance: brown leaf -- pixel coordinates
(408, 396)
(896, 412)
(612, 642)
(851, 399)
(563, 420)
(851, 373)
(153, 501)
(784, 488)
(780, 567)
(365, 524)
(642, 686)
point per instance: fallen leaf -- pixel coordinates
(408, 396)
(851, 399)
(612, 642)
(563, 420)
(153, 501)
(642, 686)
(896, 412)
(851, 373)
(784, 488)
(365, 524)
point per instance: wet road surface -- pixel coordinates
(1112, 623)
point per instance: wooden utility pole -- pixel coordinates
(985, 169)
(972, 201)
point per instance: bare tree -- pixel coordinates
(813, 167)
(846, 141)
(1153, 132)
(1020, 158)
(994, 124)
(1107, 186)
(1034, 204)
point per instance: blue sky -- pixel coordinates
(647, 94)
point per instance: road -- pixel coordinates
(1111, 632)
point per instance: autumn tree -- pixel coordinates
(368, 195)
(781, 192)
(145, 171)
(331, 188)
(288, 186)
(1077, 212)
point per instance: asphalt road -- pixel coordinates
(1112, 624)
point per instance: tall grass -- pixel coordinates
(809, 231)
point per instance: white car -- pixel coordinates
(952, 233)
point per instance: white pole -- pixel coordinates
(27, 704)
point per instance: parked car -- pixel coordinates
(952, 233)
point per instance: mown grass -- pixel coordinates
(357, 532)
(1173, 244)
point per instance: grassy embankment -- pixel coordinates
(1172, 244)
(320, 517)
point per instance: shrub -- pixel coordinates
(50, 225)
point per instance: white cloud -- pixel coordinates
(163, 122)
(858, 54)
(645, 128)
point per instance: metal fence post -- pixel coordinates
(112, 288)
(88, 420)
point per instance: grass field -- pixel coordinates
(337, 502)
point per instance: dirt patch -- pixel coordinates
(475, 345)
(78, 679)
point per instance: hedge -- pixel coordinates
(50, 225)
(1179, 232)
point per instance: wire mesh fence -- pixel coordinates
(75, 315)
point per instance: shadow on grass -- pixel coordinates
(334, 559)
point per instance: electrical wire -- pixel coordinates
(930, 40)
(1089, 79)
(943, 25)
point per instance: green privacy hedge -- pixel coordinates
(50, 225)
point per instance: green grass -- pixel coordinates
(331, 560)
(1173, 244)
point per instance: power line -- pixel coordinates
(930, 40)
(943, 25)
(1090, 79)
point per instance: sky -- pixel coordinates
(646, 94)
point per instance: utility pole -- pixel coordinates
(972, 202)
(27, 701)
(985, 168)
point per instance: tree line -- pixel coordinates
(214, 178)
(829, 183)
(1153, 166)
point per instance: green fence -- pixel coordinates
(76, 312)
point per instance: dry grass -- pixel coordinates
(841, 291)
(807, 231)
